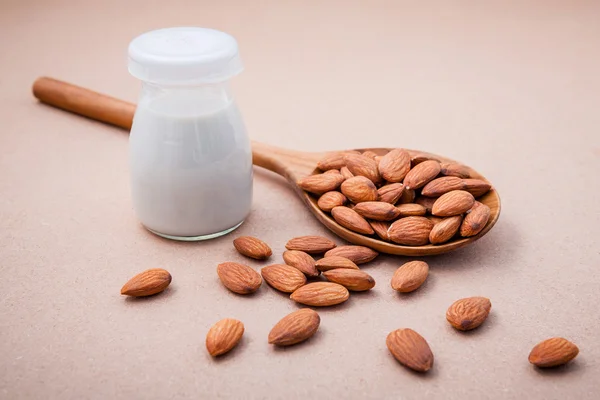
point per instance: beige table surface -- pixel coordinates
(511, 88)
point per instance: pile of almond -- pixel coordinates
(410, 200)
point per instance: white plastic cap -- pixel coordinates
(184, 56)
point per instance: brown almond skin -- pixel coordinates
(310, 244)
(224, 336)
(445, 229)
(252, 247)
(476, 187)
(283, 277)
(350, 219)
(410, 349)
(453, 203)
(553, 352)
(408, 196)
(381, 229)
(352, 279)
(356, 254)
(410, 276)
(418, 157)
(239, 278)
(302, 261)
(330, 200)
(321, 294)
(346, 174)
(295, 327)
(475, 220)
(378, 210)
(411, 231)
(394, 166)
(321, 183)
(358, 189)
(332, 171)
(426, 202)
(455, 169)
(468, 313)
(391, 193)
(332, 161)
(439, 186)
(411, 210)
(360, 165)
(370, 154)
(333, 262)
(422, 174)
(147, 283)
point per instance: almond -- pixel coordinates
(553, 352)
(445, 229)
(224, 336)
(410, 349)
(356, 254)
(410, 276)
(321, 294)
(453, 203)
(439, 186)
(302, 261)
(239, 278)
(370, 154)
(475, 220)
(417, 157)
(332, 171)
(476, 187)
(434, 219)
(359, 189)
(310, 244)
(351, 279)
(394, 166)
(469, 313)
(333, 262)
(321, 183)
(377, 210)
(426, 202)
(295, 327)
(455, 169)
(360, 165)
(408, 196)
(381, 229)
(350, 219)
(330, 200)
(252, 247)
(391, 193)
(346, 174)
(283, 277)
(332, 161)
(411, 210)
(147, 283)
(422, 174)
(411, 231)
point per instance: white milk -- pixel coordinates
(191, 165)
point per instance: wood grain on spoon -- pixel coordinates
(291, 164)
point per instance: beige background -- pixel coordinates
(510, 88)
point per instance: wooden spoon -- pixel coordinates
(290, 164)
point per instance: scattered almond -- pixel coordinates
(394, 166)
(283, 277)
(475, 220)
(553, 352)
(381, 229)
(310, 244)
(302, 261)
(252, 247)
(332, 171)
(330, 200)
(321, 183)
(378, 210)
(346, 174)
(147, 283)
(350, 219)
(439, 186)
(351, 279)
(455, 169)
(410, 349)
(422, 174)
(295, 327)
(224, 336)
(333, 262)
(356, 254)
(410, 276)
(358, 189)
(411, 231)
(370, 154)
(332, 161)
(476, 187)
(453, 203)
(360, 165)
(321, 294)
(469, 313)
(239, 278)
(411, 210)
(391, 193)
(417, 157)
(426, 202)
(445, 229)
